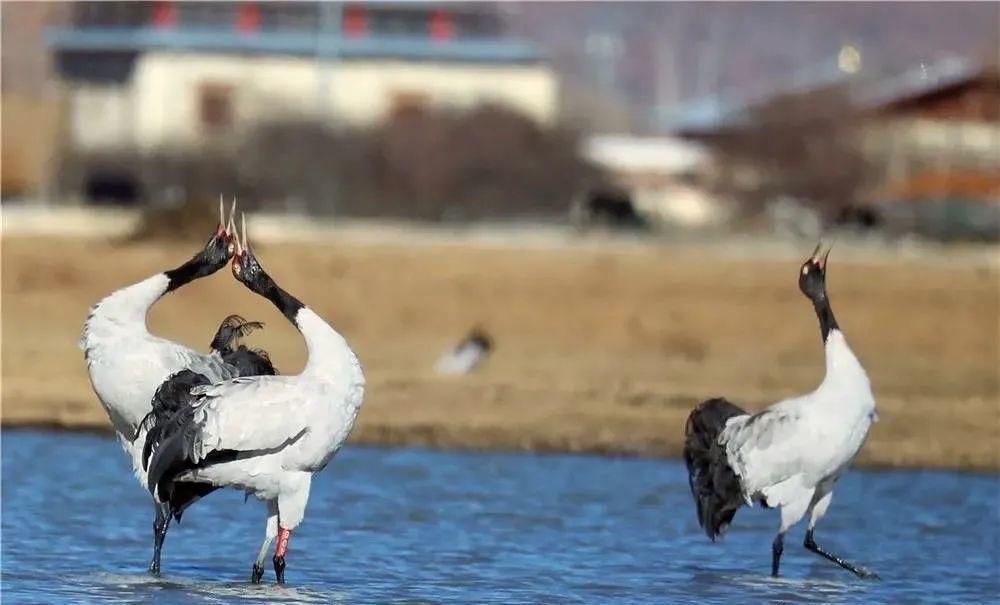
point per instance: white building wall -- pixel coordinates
(101, 117)
(364, 91)
(166, 90)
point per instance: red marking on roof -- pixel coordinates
(164, 15)
(248, 19)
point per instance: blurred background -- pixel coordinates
(619, 194)
(788, 118)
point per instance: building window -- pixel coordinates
(216, 107)
(405, 103)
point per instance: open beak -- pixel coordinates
(227, 229)
(231, 226)
(243, 246)
(221, 230)
(821, 260)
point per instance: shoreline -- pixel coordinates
(366, 440)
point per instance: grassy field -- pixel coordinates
(598, 349)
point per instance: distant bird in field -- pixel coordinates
(791, 454)
(266, 435)
(467, 354)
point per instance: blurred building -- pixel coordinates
(921, 142)
(942, 118)
(651, 182)
(155, 75)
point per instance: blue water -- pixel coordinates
(415, 526)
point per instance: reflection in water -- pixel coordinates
(413, 526)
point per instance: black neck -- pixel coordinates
(824, 313)
(186, 273)
(285, 302)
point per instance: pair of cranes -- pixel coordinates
(193, 422)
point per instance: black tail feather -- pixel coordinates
(169, 454)
(172, 457)
(170, 397)
(183, 495)
(714, 485)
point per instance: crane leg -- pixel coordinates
(269, 535)
(861, 572)
(791, 513)
(160, 525)
(777, 547)
(279, 554)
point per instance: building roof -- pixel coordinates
(307, 44)
(917, 82)
(721, 110)
(866, 91)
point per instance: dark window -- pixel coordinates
(398, 22)
(408, 103)
(105, 67)
(477, 25)
(216, 107)
(207, 14)
(113, 187)
(112, 14)
(290, 16)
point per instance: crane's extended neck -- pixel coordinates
(128, 307)
(327, 350)
(824, 313)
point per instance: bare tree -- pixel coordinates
(806, 146)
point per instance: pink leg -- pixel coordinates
(279, 553)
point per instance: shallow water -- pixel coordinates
(415, 526)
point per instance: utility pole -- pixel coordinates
(667, 84)
(327, 46)
(712, 53)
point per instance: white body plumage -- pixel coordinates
(792, 453)
(126, 363)
(285, 428)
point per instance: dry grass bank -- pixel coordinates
(597, 349)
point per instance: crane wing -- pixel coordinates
(767, 448)
(239, 418)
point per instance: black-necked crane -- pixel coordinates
(790, 455)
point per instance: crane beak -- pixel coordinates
(231, 225)
(236, 242)
(238, 253)
(243, 228)
(242, 245)
(820, 261)
(229, 231)
(222, 231)
(815, 255)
